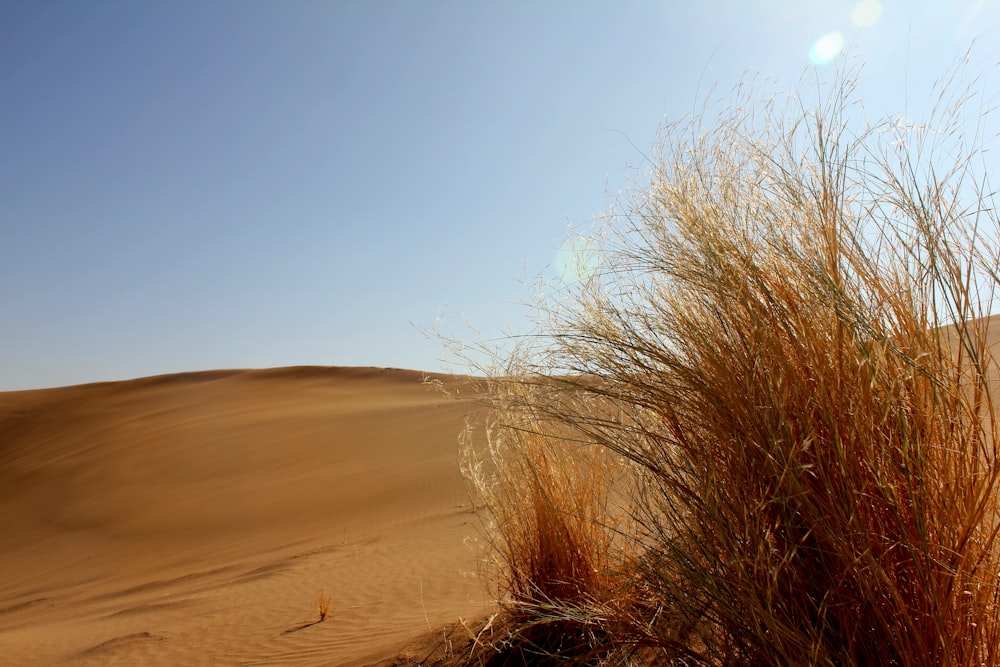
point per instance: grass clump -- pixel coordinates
(764, 433)
(557, 533)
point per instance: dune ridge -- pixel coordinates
(194, 518)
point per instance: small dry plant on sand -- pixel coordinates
(323, 601)
(764, 433)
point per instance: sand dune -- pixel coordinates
(193, 519)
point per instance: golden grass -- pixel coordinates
(764, 433)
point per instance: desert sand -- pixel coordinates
(194, 519)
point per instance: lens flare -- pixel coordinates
(576, 261)
(826, 48)
(866, 13)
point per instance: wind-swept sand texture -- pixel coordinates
(193, 519)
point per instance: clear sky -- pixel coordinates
(209, 184)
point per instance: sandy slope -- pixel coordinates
(192, 519)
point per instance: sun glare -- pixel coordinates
(866, 13)
(826, 48)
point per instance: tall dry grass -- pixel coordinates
(765, 432)
(558, 531)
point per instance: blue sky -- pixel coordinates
(193, 185)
